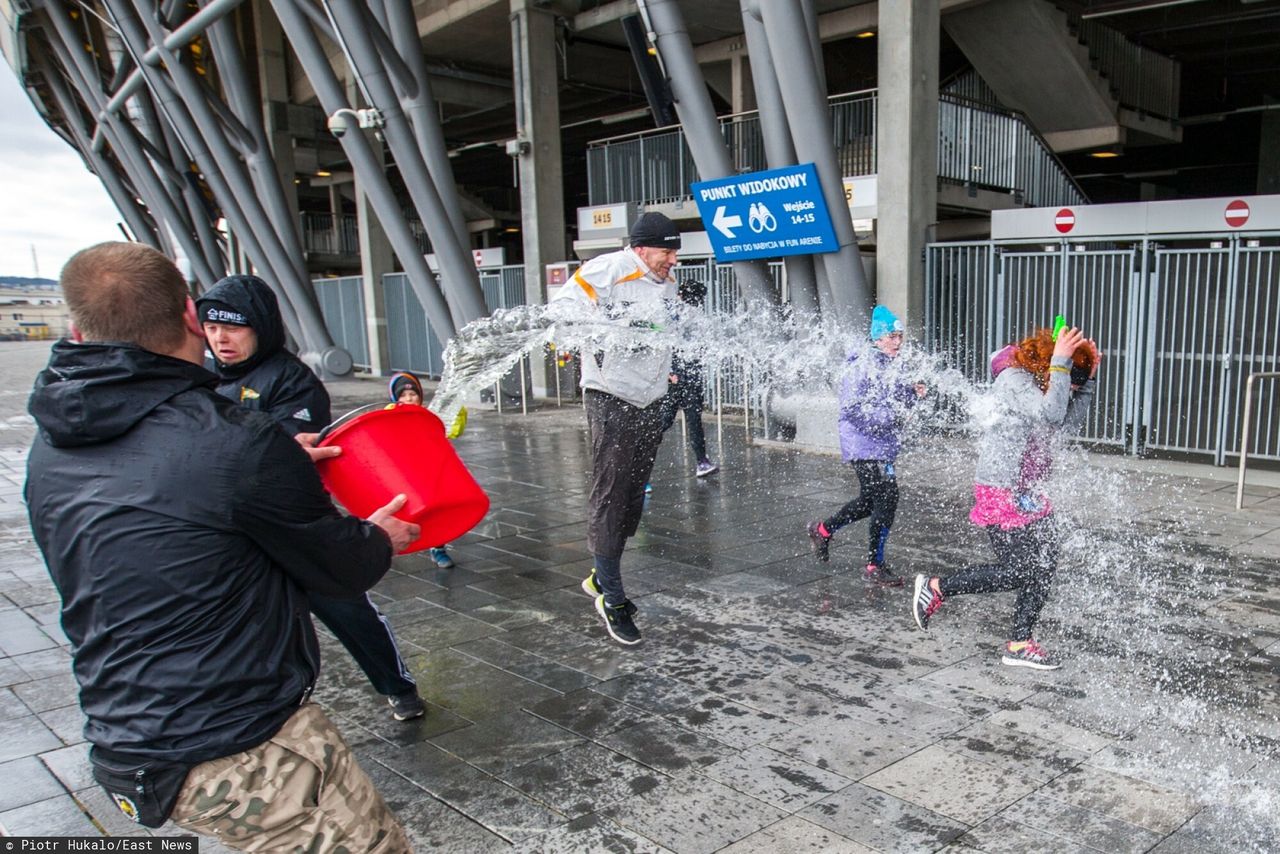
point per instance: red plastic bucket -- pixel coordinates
(403, 449)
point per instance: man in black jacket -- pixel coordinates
(242, 322)
(184, 534)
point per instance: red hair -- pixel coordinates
(1034, 353)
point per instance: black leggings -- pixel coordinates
(1027, 559)
(878, 499)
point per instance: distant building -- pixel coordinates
(34, 314)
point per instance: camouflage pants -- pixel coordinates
(299, 791)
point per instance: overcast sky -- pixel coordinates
(47, 196)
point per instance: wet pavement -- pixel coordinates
(776, 704)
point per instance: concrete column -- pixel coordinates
(335, 213)
(273, 84)
(537, 83)
(907, 153)
(740, 86)
(376, 259)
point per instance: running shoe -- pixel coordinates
(441, 558)
(924, 601)
(1028, 653)
(877, 573)
(590, 586)
(706, 467)
(648, 489)
(818, 542)
(618, 622)
(406, 706)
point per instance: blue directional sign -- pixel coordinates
(766, 214)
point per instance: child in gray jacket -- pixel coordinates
(1042, 389)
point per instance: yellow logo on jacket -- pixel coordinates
(247, 393)
(127, 807)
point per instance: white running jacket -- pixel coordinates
(622, 284)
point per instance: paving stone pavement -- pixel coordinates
(776, 704)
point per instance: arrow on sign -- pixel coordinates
(724, 223)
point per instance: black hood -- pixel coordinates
(92, 393)
(253, 298)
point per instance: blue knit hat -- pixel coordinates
(884, 322)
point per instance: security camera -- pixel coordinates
(338, 123)
(344, 119)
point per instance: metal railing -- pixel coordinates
(987, 146)
(1140, 78)
(326, 234)
(978, 144)
(969, 84)
(656, 167)
(1246, 423)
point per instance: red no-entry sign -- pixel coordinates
(1064, 220)
(1236, 214)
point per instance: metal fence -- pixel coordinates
(411, 343)
(1180, 324)
(731, 384)
(342, 304)
(326, 234)
(978, 144)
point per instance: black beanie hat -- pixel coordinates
(213, 311)
(654, 229)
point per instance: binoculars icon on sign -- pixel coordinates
(761, 219)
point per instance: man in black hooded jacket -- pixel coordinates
(241, 320)
(184, 534)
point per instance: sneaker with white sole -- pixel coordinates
(618, 622)
(590, 586)
(706, 467)
(406, 706)
(924, 601)
(441, 558)
(1028, 653)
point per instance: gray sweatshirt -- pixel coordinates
(1026, 419)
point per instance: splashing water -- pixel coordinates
(1160, 663)
(768, 343)
(1178, 661)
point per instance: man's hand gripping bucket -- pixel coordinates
(402, 449)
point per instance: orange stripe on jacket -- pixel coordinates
(586, 286)
(591, 291)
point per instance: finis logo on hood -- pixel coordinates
(220, 315)
(247, 393)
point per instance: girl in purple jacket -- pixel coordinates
(873, 403)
